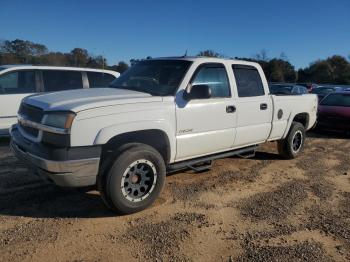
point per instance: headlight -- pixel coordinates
(59, 120)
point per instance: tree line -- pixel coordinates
(25, 52)
(333, 70)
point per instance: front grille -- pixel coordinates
(31, 131)
(32, 113)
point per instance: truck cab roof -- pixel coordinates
(207, 59)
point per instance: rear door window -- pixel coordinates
(57, 80)
(97, 79)
(248, 81)
(18, 82)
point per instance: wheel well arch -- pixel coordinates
(302, 118)
(155, 138)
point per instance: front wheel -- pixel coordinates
(135, 179)
(293, 144)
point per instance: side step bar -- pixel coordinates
(204, 166)
(246, 151)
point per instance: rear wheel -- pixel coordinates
(293, 144)
(134, 180)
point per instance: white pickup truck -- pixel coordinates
(160, 115)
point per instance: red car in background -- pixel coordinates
(334, 111)
(323, 91)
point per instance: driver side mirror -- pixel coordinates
(197, 92)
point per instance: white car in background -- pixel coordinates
(19, 81)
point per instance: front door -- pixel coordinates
(205, 126)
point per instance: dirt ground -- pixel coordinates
(259, 209)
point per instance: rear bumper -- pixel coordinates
(77, 172)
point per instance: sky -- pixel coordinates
(304, 30)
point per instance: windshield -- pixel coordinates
(156, 77)
(336, 100)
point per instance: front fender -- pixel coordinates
(107, 133)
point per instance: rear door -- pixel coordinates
(254, 106)
(14, 86)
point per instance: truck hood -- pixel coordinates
(83, 99)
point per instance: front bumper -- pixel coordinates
(77, 172)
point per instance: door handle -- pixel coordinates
(263, 106)
(230, 109)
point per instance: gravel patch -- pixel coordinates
(322, 189)
(189, 192)
(313, 167)
(162, 240)
(305, 251)
(38, 230)
(247, 175)
(280, 229)
(276, 204)
(322, 219)
(344, 205)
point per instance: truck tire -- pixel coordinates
(134, 180)
(293, 144)
(106, 164)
